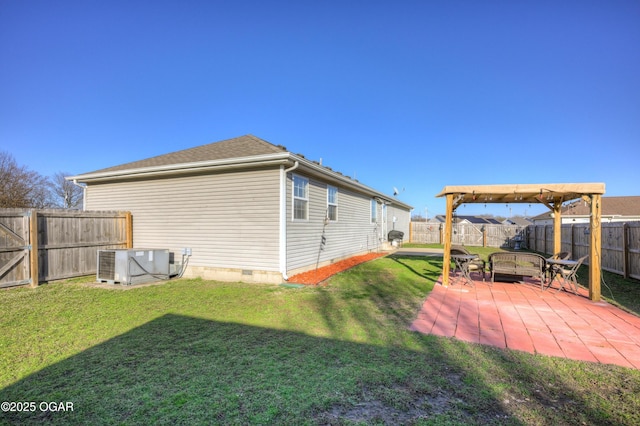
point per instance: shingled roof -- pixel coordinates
(242, 146)
(236, 153)
(623, 206)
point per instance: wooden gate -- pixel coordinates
(15, 248)
(46, 245)
(467, 234)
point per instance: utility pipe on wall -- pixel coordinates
(84, 193)
(283, 218)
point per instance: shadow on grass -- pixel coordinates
(185, 369)
(428, 273)
(178, 369)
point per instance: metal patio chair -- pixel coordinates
(568, 275)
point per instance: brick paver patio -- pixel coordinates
(521, 316)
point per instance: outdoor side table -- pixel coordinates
(462, 262)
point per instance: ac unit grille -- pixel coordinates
(107, 265)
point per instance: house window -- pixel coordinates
(300, 198)
(332, 203)
(374, 211)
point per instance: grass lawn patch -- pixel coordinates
(205, 352)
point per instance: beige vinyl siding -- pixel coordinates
(229, 220)
(351, 234)
(403, 218)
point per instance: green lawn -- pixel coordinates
(204, 352)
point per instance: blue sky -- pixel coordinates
(408, 94)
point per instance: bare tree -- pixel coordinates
(418, 218)
(67, 194)
(21, 187)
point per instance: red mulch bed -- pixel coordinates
(316, 276)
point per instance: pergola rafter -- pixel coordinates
(551, 195)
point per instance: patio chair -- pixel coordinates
(568, 275)
(474, 265)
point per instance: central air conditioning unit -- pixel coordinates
(132, 266)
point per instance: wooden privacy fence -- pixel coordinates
(620, 252)
(487, 235)
(46, 245)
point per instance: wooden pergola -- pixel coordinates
(551, 195)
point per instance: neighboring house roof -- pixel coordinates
(618, 206)
(520, 221)
(473, 219)
(470, 219)
(236, 153)
(493, 221)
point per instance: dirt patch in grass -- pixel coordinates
(400, 404)
(316, 276)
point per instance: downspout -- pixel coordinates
(283, 218)
(84, 193)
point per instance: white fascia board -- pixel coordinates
(199, 166)
(315, 168)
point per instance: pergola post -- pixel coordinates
(595, 245)
(446, 258)
(557, 228)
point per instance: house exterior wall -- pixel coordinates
(402, 220)
(352, 234)
(229, 220)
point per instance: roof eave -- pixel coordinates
(318, 169)
(175, 169)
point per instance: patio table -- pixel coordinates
(462, 262)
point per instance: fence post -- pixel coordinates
(33, 242)
(128, 217)
(410, 232)
(571, 242)
(625, 250)
(484, 236)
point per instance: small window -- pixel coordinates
(374, 211)
(332, 203)
(300, 198)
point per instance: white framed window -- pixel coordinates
(374, 211)
(300, 198)
(332, 203)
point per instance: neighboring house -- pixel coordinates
(247, 209)
(614, 209)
